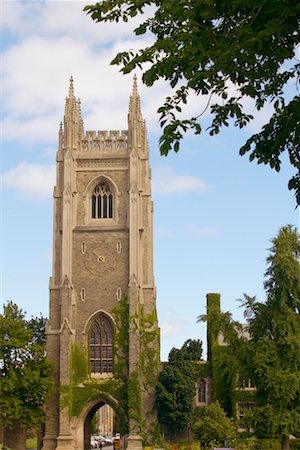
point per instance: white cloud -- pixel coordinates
(58, 18)
(53, 41)
(202, 232)
(167, 182)
(31, 181)
(35, 129)
(35, 81)
(173, 328)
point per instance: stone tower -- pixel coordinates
(102, 333)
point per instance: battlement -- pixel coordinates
(104, 141)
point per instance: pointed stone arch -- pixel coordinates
(84, 419)
(100, 335)
(87, 200)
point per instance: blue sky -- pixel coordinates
(214, 212)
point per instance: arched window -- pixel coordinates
(102, 201)
(101, 345)
(202, 391)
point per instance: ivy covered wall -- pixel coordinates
(123, 392)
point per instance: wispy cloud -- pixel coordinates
(202, 233)
(173, 328)
(167, 182)
(31, 181)
(164, 232)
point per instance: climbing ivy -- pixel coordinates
(149, 347)
(125, 387)
(79, 364)
(83, 388)
(134, 393)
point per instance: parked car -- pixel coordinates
(108, 440)
(101, 441)
(94, 443)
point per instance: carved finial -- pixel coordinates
(81, 126)
(60, 136)
(134, 102)
(135, 86)
(71, 87)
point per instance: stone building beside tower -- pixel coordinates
(102, 332)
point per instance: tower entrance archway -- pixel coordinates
(98, 417)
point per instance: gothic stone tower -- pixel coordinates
(102, 332)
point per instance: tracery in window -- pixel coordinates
(102, 201)
(101, 345)
(246, 382)
(202, 391)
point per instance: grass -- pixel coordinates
(31, 443)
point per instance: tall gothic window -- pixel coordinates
(102, 201)
(202, 391)
(101, 345)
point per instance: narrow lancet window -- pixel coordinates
(102, 202)
(101, 345)
(202, 391)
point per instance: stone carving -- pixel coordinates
(101, 260)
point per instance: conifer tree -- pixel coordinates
(274, 353)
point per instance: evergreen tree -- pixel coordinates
(274, 356)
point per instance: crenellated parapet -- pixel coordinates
(104, 141)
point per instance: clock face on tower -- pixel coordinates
(101, 259)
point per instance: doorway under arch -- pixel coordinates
(84, 430)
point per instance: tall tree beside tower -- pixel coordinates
(274, 357)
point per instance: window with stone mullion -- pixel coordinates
(101, 347)
(102, 202)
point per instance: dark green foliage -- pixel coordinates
(25, 382)
(190, 351)
(226, 361)
(175, 389)
(213, 426)
(275, 341)
(282, 282)
(226, 51)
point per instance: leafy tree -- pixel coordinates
(175, 391)
(214, 427)
(190, 351)
(226, 51)
(25, 381)
(274, 353)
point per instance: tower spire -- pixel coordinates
(135, 87)
(73, 123)
(134, 102)
(71, 87)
